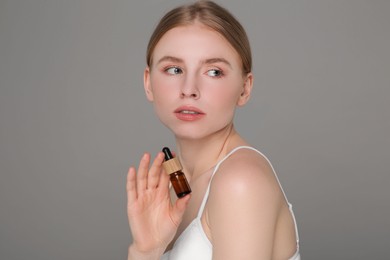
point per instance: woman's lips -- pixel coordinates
(189, 113)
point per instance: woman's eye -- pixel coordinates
(174, 70)
(214, 73)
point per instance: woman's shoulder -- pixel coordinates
(243, 190)
(244, 164)
(246, 172)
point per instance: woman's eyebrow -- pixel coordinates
(170, 58)
(217, 60)
(206, 61)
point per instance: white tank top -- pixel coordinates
(193, 243)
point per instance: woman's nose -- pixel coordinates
(194, 95)
(190, 89)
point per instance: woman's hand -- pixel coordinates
(153, 219)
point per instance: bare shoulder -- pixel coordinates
(245, 173)
(244, 204)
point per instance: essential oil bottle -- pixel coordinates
(173, 167)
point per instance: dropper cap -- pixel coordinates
(167, 153)
(171, 163)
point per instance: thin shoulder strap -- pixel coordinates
(202, 206)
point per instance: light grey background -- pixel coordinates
(73, 117)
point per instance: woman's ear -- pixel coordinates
(147, 86)
(246, 90)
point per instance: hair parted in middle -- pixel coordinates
(211, 15)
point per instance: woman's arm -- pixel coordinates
(135, 254)
(243, 208)
(152, 218)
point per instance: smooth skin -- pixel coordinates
(246, 216)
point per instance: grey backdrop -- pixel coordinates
(73, 117)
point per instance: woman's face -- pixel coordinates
(196, 81)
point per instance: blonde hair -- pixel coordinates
(211, 15)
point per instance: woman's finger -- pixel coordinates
(155, 171)
(163, 184)
(131, 186)
(179, 209)
(142, 173)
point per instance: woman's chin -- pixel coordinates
(197, 134)
(189, 134)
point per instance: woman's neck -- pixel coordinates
(199, 155)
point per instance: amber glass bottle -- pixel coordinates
(173, 167)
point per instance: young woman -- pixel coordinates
(198, 71)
